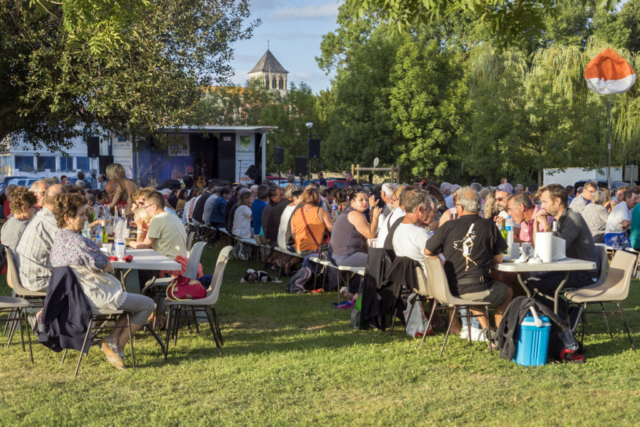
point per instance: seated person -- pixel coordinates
(396, 214)
(142, 220)
(451, 212)
(216, 219)
(32, 252)
(230, 204)
(410, 238)
(340, 196)
(91, 268)
(574, 230)
(208, 206)
(309, 224)
(523, 213)
(23, 208)
(242, 216)
(140, 195)
(284, 231)
(198, 209)
(620, 217)
(232, 213)
(470, 246)
(260, 202)
(579, 203)
(183, 194)
(348, 244)
(596, 215)
(272, 225)
(166, 233)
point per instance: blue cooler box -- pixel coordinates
(533, 342)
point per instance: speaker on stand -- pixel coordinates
(301, 166)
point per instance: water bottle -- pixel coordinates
(86, 231)
(99, 236)
(334, 209)
(509, 234)
(119, 239)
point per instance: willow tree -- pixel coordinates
(125, 66)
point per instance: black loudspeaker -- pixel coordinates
(104, 162)
(313, 148)
(301, 166)
(253, 173)
(93, 146)
(278, 156)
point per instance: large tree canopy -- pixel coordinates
(128, 67)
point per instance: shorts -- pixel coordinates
(494, 295)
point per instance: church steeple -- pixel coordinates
(271, 72)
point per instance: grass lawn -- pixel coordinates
(293, 359)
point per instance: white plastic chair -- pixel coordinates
(177, 307)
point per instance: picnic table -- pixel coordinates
(567, 265)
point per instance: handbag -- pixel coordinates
(182, 288)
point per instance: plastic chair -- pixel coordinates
(177, 307)
(613, 289)
(159, 286)
(190, 238)
(13, 280)
(438, 289)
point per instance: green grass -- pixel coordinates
(294, 360)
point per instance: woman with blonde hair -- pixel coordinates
(126, 187)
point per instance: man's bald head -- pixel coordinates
(51, 194)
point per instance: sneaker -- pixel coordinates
(464, 333)
(111, 355)
(477, 335)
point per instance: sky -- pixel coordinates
(294, 30)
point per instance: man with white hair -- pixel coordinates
(386, 193)
(471, 245)
(38, 189)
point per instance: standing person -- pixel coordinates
(126, 188)
(349, 181)
(258, 206)
(23, 206)
(64, 181)
(321, 180)
(470, 246)
(579, 203)
(102, 181)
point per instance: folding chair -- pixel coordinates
(17, 310)
(176, 308)
(438, 289)
(614, 289)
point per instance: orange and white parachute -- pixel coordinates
(608, 74)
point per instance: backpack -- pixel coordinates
(301, 281)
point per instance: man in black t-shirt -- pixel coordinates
(470, 245)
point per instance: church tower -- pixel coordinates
(269, 71)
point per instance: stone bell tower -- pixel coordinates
(269, 71)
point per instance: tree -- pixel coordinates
(508, 21)
(124, 67)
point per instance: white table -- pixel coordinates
(145, 259)
(567, 265)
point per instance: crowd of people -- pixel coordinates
(459, 224)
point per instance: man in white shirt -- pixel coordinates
(620, 216)
(411, 237)
(386, 193)
(166, 233)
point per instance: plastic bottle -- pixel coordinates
(119, 239)
(503, 232)
(105, 236)
(509, 234)
(334, 209)
(99, 236)
(86, 231)
(555, 229)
